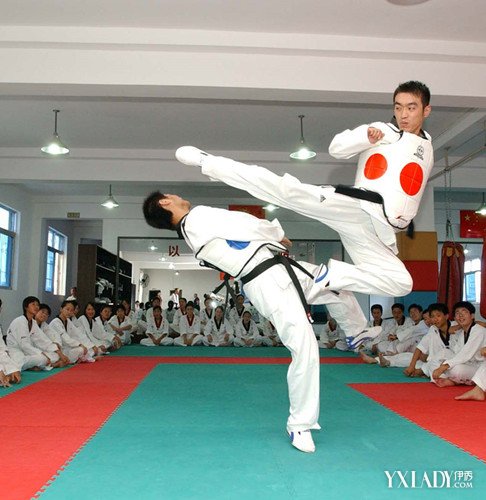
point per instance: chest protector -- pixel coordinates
(233, 257)
(399, 173)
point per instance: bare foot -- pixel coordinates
(476, 394)
(444, 382)
(367, 359)
(417, 373)
(384, 363)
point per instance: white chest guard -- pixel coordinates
(235, 257)
(399, 173)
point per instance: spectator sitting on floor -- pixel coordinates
(332, 337)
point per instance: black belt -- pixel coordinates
(229, 288)
(373, 197)
(289, 264)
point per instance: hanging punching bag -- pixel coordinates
(483, 280)
(451, 274)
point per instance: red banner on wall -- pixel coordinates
(472, 225)
(255, 210)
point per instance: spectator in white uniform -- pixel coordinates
(20, 344)
(218, 332)
(113, 340)
(175, 326)
(42, 341)
(436, 344)
(9, 370)
(270, 336)
(470, 339)
(332, 337)
(62, 332)
(246, 332)
(121, 325)
(207, 313)
(174, 296)
(189, 328)
(236, 312)
(157, 330)
(93, 329)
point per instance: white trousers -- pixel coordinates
(218, 342)
(197, 340)
(462, 374)
(27, 361)
(279, 302)
(239, 342)
(479, 377)
(370, 243)
(149, 342)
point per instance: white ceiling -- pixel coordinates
(111, 123)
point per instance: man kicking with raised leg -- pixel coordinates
(393, 167)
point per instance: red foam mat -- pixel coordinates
(435, 409)
(46, 423)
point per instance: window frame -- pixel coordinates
(11, 234)
(55, 269)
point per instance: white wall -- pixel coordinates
(190, 282)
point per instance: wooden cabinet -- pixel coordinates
(97, 278)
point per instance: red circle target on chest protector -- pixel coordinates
(375, 166)
(411, 178)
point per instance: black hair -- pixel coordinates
(397, 305)
(46, 307)
(377, 306)
(28, 300)
(89, 304)
(465, 304)
(66, 302)
(157, 308)
(415, 306)
(106, 306)
(170, 305)
(416, 88)
(73, 302)
(190, 304)
(155, 215)
(119, 307)
(439, 306)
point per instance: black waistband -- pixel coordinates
(289, 264)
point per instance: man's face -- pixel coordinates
(439, 319)
(190, 311)
(463, 317)
(397, 313)
(239, 302)
(415, 314)
(218, 314)
(42, 315)
(376, 314)
(246, 318)
(427, 319)
(33, 308)
(410, 112)
(105, 314)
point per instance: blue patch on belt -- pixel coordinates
(237, 245)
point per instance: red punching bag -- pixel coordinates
(483, 280)
(451, 274)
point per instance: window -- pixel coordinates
(55, 262)
(472, 280)
(8, 230)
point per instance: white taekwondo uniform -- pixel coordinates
(206, 317)
(229, 240)
(187, 328)
(157, 331)
(269, 334)
(479, 377)
(61, 335)
(21, 347)
(78, 333)
(42, 341)
(390, 346)
(366, 233)
(96, 331)
(7, 364)
(243, 333)
(125, 337)
(466, 357)
(217, 330)
(235, 316)
(327, 335)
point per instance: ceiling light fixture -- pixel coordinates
(110, 202)
(55, 146)
(482, 209)
(152, 247)
(270, 208)
(303, 152)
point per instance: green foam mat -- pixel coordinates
(194, 431)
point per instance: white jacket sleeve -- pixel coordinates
(352, 142)
(477, 340)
